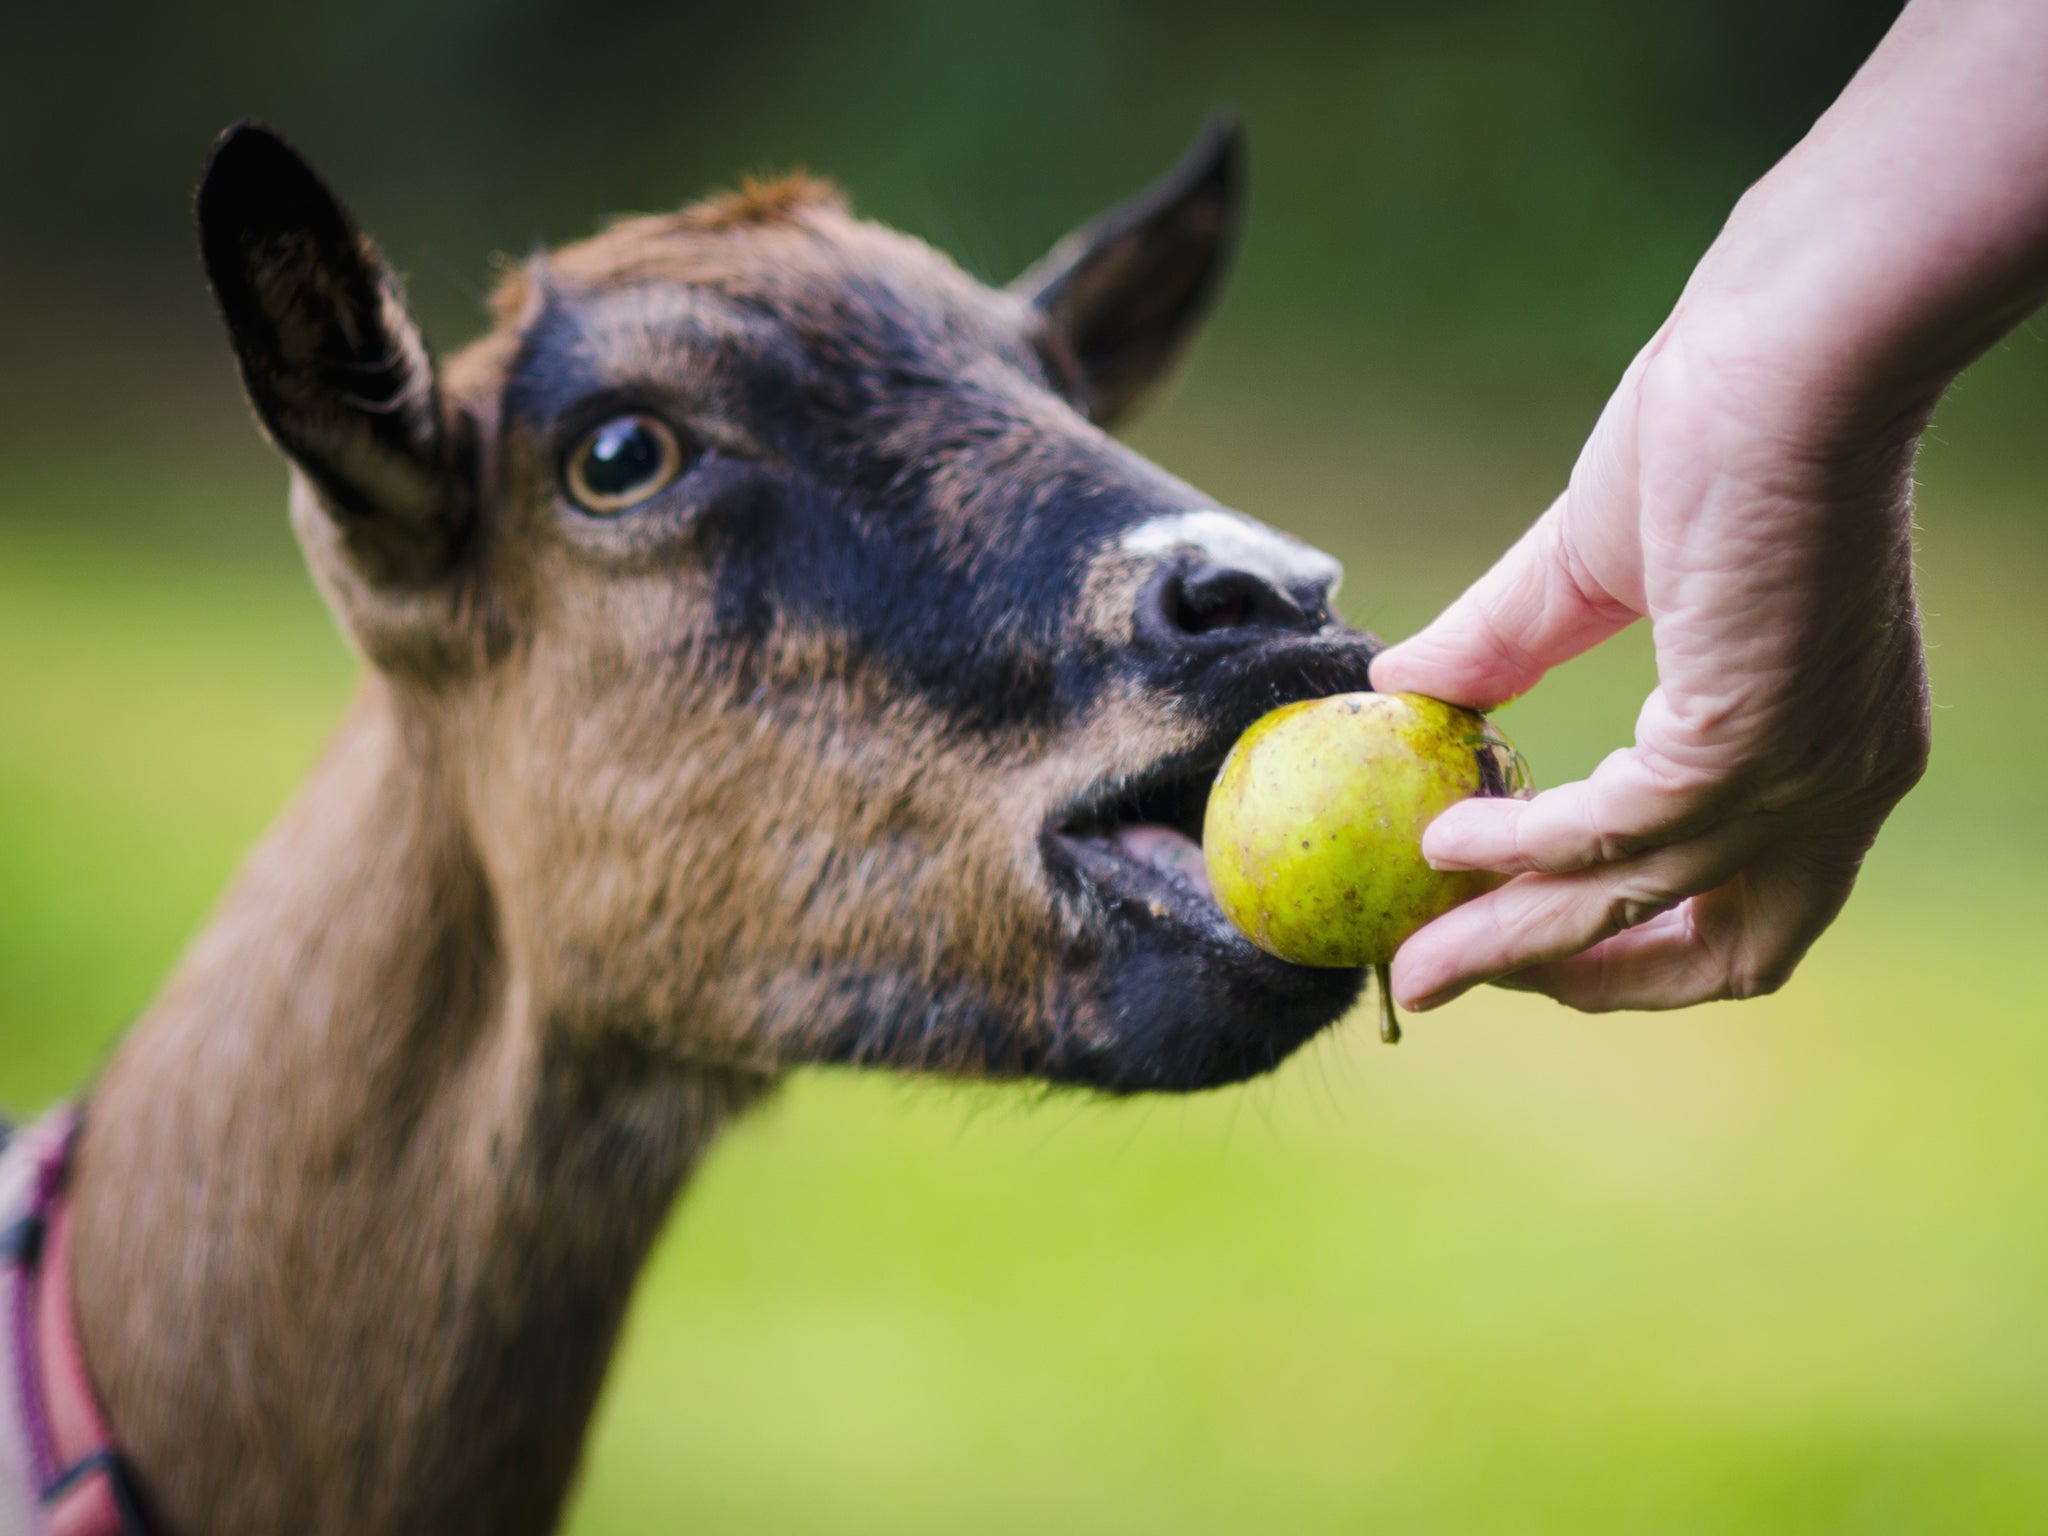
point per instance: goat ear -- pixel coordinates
(336, 369)
(1126, 291)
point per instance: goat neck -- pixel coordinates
(357, 1213)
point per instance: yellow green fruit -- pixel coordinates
(1313, 836)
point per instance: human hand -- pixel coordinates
(1748, 490)
(1769, 542)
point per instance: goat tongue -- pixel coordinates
(1165, 849)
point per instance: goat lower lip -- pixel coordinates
(1150, 874)
(1149, 858)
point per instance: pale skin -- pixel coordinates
(1748, 489)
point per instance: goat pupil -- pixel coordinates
(623, 454)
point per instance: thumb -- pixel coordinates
(1533, 610)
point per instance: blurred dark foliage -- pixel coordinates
(1472, 197)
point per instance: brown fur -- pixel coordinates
(762, 200)
(356, 1223)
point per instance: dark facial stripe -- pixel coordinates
(971, 600)
(924, 501)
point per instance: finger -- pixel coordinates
(1538, 918)
(1660, 964)
(1534, 609)
(1635, 799)
(1742, 939)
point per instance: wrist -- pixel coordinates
(1813, 319)
(1737, 373)
(1730, 397)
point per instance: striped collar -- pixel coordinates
(80, 1484)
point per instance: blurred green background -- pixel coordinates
(1781, 1267)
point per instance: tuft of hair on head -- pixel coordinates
(764, 200)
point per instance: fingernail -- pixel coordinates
(1433, 1000)
(1441, 857)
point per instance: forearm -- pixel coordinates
(1906, 233)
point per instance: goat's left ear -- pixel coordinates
(1125, 292)
(334, 365)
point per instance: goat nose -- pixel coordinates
(1222, 581)
(1204, 605)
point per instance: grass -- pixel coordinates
(1776, 1268)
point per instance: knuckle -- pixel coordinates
(1501, 656)
(1609, 846)
(1585, 584)
(1591, 828)
(1550, 849)
(1909, 757)
(1760, 977)
(1631, 908)
(1601, 993)
(1646, 798)
(1693, 794)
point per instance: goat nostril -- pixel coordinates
(1209, 599)
(1197, 615)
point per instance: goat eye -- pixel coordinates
(622, 463)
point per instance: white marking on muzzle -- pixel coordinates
(1233, 540)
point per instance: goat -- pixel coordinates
(769, 659)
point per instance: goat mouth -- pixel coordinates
(1170, 996)
(1137, 842)
(1133, 842)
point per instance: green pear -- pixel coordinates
(1313, 836)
